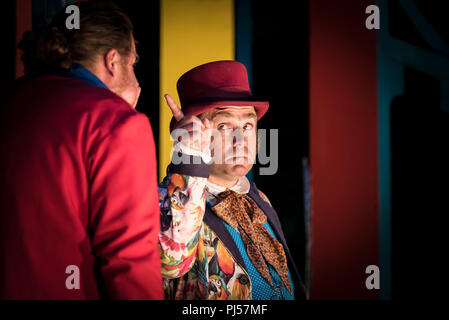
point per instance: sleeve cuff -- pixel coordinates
(191, 166)
(179, 147)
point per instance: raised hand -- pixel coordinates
(197, 134)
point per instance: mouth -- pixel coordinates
(236, 158)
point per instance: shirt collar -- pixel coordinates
(212, 190)
(79, 72)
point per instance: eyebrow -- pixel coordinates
(230, 115)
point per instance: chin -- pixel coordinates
(240, 169)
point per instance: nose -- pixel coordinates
(238, 137)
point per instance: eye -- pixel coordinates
(248, 126)
(222, 126)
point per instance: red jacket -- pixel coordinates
(78, 186)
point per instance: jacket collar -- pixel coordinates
(81, 73)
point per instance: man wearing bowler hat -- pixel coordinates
(220, 238)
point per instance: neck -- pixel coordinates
(100, 72)
(227, 183)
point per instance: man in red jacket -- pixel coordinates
(79, 211)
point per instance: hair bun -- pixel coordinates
(45, 49)
(105, 26)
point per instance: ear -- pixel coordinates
(111, 60)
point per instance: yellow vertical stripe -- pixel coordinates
(193, 32)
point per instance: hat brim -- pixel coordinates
(261, 107)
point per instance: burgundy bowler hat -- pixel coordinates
(216, 84)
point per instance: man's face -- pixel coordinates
(128, 87)
(237, 128)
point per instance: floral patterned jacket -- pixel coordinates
(200, 260)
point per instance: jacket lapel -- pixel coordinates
(273, 219)
(217, 225)
(271, 214)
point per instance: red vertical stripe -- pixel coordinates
(343, 150)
